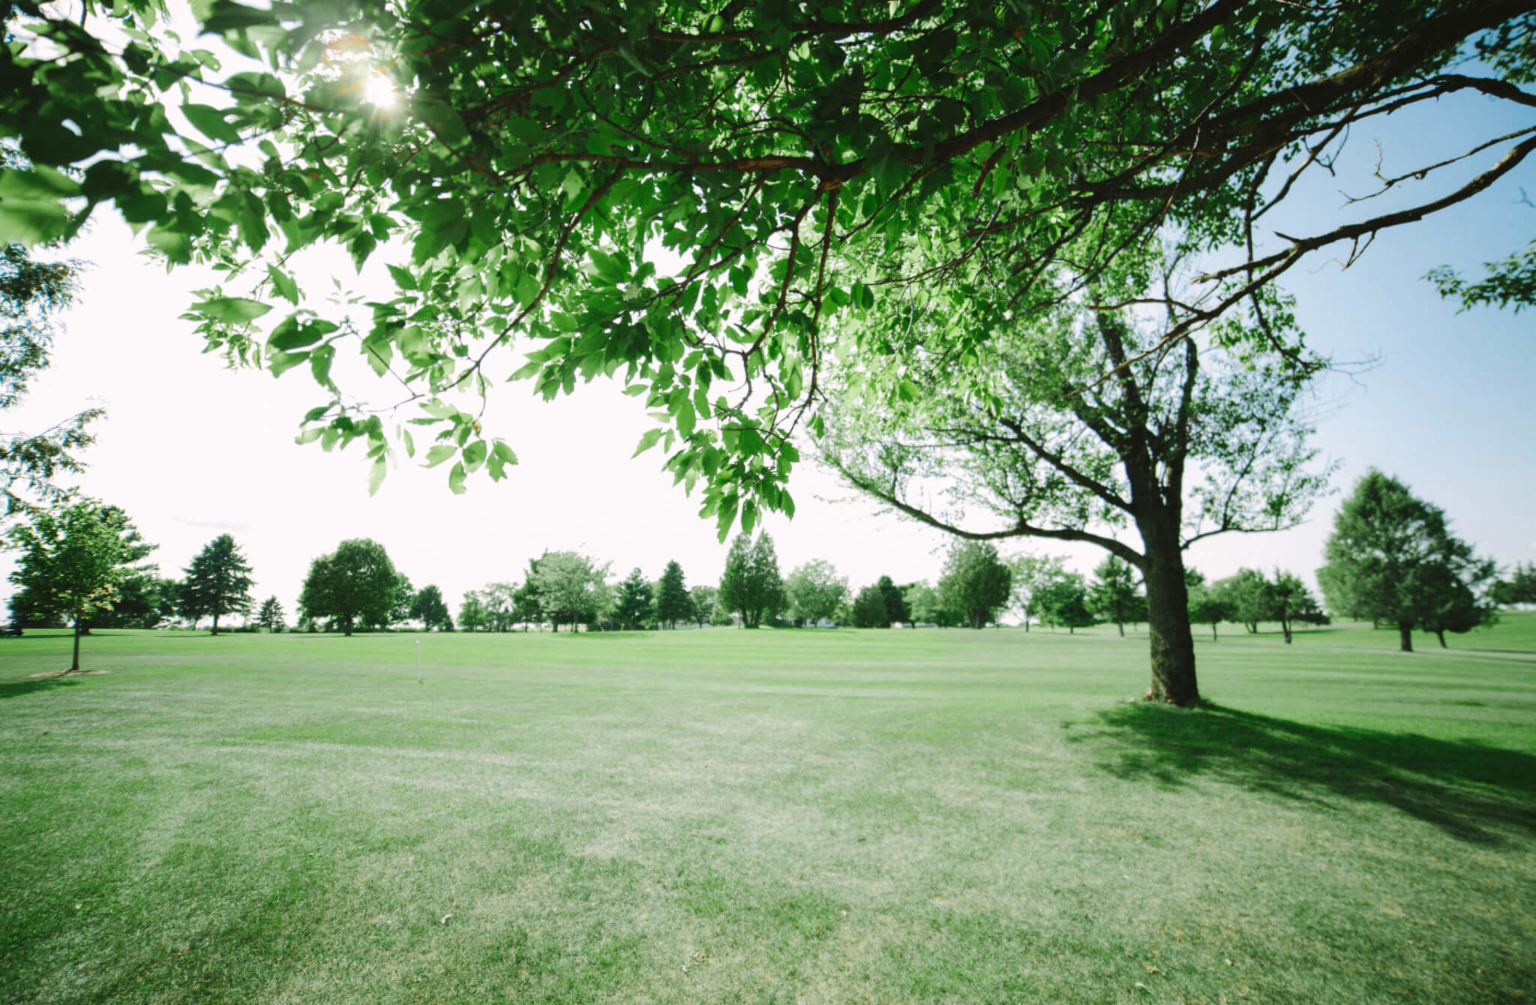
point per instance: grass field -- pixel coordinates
(731, 816)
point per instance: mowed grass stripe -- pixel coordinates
(768, 816)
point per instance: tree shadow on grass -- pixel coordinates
(1469, 790)
(18, 688)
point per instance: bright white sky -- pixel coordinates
(191, 449)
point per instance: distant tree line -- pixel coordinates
(1391, 560)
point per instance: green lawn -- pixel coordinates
(770, 816)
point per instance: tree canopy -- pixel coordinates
(975, 583)
(750, 584)
(672, 601)
(519, 168)
(355, 585)
(73, 560)
(815, 591)
(1392, 557)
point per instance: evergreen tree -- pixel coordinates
(672, 603)
(270, 616)
(634, 608)
(217, 583)
(751, 585)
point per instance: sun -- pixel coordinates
(381, 93)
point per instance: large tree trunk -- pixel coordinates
(215, 623)
(1173, 644)
(1405, 635)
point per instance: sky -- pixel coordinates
(192, 449)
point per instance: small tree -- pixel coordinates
(357, 584)
(571, 588)
(634, 608)
(1113, 594)
(702, 599)
(472, 614)
(1063, 602)
(895, 605)
(1519, 588)
(815, 590)
(976, 582)
(1207, 605)
(270, 615)
(73, 561)
(1247, 595)
(869, 609)
(427, 606)
(1290, 602)
(1031, 574)
(1392, 557)
(672, 603)
(218, 582)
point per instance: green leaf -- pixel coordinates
(234, 311)
(211, 123)
(440, 453)
(376, 476)
(32, 210)
(647, 441)
(283, 284)
(456, 479)
(475, 454)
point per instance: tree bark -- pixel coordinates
(215, 623)
(1440, 633)
(75, 663)
(1172, 643)
(1405, 635)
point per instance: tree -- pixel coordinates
(750, 584)
(270, 615)
(1113, 594)
(33, 292)
(1519, 588)
(1290, 601)
(499, 606)
(814, 591)
(74, 560)
(217, 583)
(472, 613)
(672, 603)
(895, 606)
(400, 606)
(975, 582)
(1064, 603)
(356, 584)
(1392, 557)
(1031, 574)
(633, 607)
(570, 587)
(702, 599)
(1247, 596)
(1208, 604)
(780, 151)
(926, 606)
(427, 606)
(145, 599)
(869, 609)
